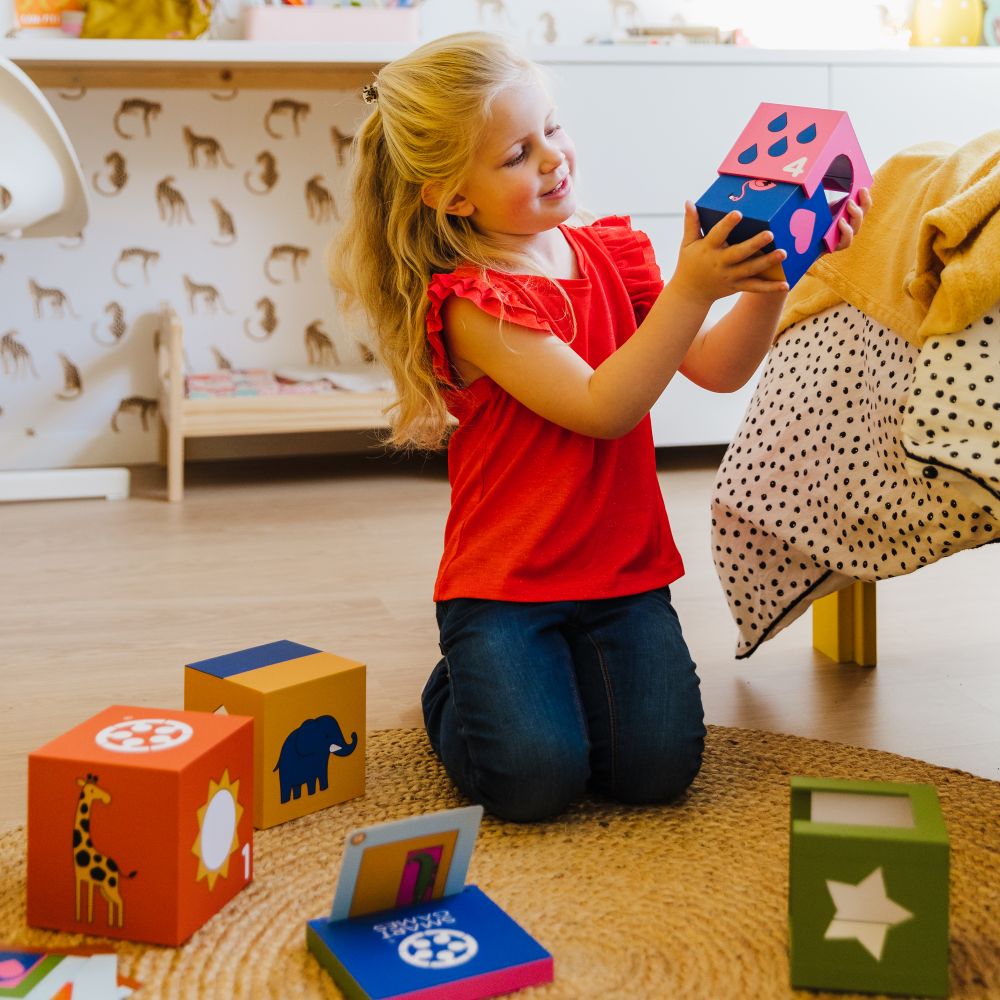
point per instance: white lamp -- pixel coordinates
(43, 193)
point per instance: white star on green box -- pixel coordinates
(868, 887)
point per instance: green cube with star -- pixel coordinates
(868, 887)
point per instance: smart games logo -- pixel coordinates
(443, 948)
(144, 735)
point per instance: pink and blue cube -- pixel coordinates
(792, 171)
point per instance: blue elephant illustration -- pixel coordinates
(306, 752)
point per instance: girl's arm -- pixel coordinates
(550, 378)
(723, 357)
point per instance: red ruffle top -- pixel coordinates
(538, 512)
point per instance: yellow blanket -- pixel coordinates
(927, 259)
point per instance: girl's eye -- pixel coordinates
(515, 160)
(552, 129)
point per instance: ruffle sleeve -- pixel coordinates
(491, 293)
(633, 255)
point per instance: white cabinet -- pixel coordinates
(649, 137)
(686, 414)
(897, 106)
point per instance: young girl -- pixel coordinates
(564, 666)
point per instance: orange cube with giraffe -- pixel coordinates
(140, 823)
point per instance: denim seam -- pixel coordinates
(612, 715)
(474, 769)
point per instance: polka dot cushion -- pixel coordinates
(815, 489)
(952, 418)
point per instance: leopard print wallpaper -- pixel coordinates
(223, 205)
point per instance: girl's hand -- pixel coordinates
(849, 228)
(709, 269)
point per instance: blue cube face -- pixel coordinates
(254, 658)
(428, 949)
(798, 223)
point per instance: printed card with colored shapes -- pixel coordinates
(405, 862)
(405, 924)
(69, 974)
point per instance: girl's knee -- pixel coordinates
(661, 775)
(535, 786)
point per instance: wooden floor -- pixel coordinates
(104, 602)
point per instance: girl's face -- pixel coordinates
(520, 182)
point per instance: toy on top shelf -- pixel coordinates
(379, 23)
(991, 23)
(946, 22)
(139, 823)
(792, 170)
(309, 722)
(405, 924)
(868, 887)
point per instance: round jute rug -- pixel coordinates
(681, 901)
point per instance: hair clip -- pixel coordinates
(369, 93)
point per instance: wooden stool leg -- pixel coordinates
(844, 625)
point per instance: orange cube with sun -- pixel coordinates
(140, 823)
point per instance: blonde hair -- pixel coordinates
(431, 114)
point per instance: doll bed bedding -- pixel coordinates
(872, 444)
(860, 458)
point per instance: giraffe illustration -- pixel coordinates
(91, 867)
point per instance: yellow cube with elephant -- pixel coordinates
(308, 708)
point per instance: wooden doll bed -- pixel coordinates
(228, 416)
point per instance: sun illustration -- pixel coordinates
(218, 820)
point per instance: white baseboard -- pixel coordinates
(64, 484)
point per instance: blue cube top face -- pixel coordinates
(761, 200)
(429, 945)
(253, 658)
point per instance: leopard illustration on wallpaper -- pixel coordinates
(115, 325)
(113, 177)
(145, 110)
(223, 209)
(295, 110)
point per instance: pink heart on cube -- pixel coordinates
(801, 226)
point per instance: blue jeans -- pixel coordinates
(535, 702)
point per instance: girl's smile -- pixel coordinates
(561, 189)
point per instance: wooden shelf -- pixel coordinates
(237, 63)
(202, 65)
